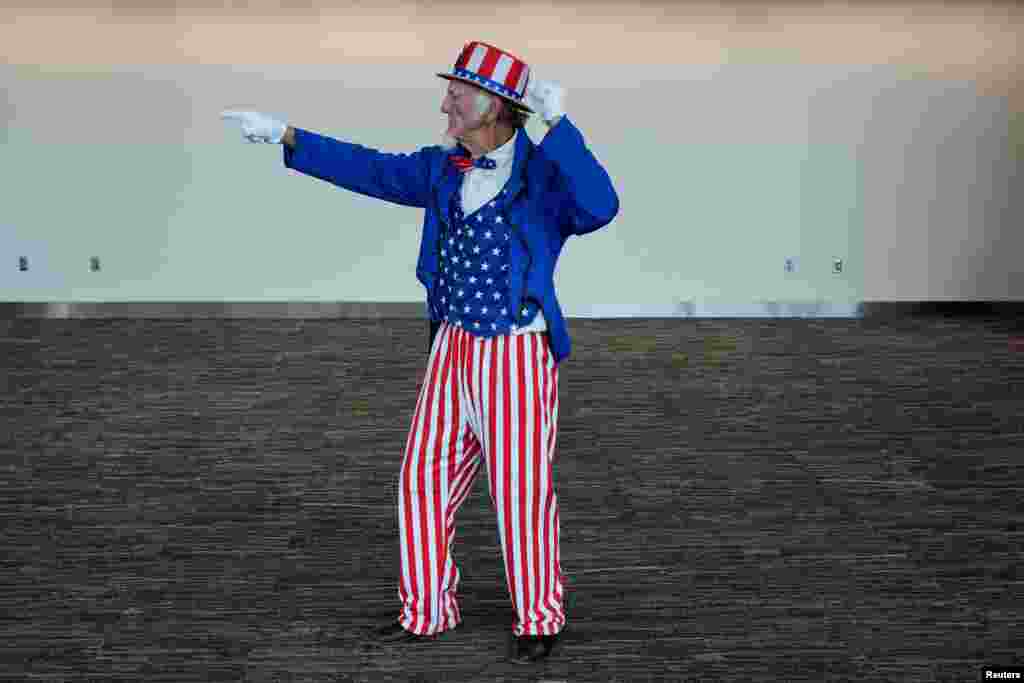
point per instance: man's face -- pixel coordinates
(461, 105)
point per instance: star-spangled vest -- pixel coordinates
(473, 291)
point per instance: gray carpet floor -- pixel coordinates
(214, 500)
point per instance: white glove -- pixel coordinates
(547, 99)
(257, 127)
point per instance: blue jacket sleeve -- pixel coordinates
(591, 201)
(399, 178)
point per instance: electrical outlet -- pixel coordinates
(790, 265)
(22, 263)
(94, 264)
(837, 265)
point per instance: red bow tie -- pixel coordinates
(466, 163)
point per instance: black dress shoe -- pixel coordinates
(396, 633)
(533, 648)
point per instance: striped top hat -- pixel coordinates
(494, 70)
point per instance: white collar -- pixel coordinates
(504, 155)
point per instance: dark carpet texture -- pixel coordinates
(215, 500)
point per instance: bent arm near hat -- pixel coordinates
(398, 178)
(592, 202)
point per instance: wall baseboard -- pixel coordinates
(393, 310)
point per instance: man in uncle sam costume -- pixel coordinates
(498, 210)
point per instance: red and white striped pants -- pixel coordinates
(499, 397)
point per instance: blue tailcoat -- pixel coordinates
(557, 189)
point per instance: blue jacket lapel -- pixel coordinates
(451, 178)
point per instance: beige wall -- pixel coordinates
(939, 198)
(969, 40)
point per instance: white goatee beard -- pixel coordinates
(448, 143)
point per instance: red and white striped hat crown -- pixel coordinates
(494, 70)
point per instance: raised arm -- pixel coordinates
(398, 178)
